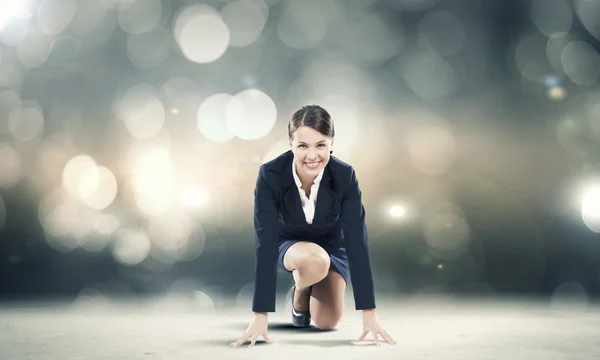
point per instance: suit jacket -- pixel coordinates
(339, 221)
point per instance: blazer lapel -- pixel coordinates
(292, 197)
(325, 209)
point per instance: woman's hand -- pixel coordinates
(371, 324)
(258, 326)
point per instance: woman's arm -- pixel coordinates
(355, 234)
(266, 239)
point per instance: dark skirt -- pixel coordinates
(339, 260)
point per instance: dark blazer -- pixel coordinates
(339, 221)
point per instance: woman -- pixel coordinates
(309, 220)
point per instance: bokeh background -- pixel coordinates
(131, 133)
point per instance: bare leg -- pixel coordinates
(309, 264)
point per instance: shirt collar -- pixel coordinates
(297, 179)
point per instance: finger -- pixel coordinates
(267, 338)
(254, 337)
(362, 336)
(387, 337)
(241, 340)
(375, 337)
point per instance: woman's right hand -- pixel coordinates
(258, 326)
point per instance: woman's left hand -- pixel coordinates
(371, 324)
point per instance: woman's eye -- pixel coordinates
(321, 145)
(302, 145)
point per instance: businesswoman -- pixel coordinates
(309, 221)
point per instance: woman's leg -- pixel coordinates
(309, 264)
(327, 301)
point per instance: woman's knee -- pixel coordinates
(326, 321)
(314, 265)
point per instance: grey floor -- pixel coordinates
(425, 328)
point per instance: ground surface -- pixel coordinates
(425, 328)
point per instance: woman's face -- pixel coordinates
(311, 150)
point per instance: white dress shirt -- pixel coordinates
(308, 203)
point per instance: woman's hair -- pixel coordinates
(314, 117)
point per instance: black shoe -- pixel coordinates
(300, 318)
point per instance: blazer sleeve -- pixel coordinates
(355, 234)
(266, 239)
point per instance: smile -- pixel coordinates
(312, 165)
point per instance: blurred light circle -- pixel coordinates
(202, 35)
(142, 112)
(554, 48)
(447, 235)
(252, 116)
(106, 223)
(372, 40)
(589, 13)
(73, 175)
(26, 122)
(431, 147)
(590, 208)
(2, 213)
(90, 298)
(301, 26)
(88, 17)
(9, 100)
(245, 20)
(104, 192)
(15, 31)
(130, 247)
(570, 295)
(212, 116)
(442, 31)
(531, 57)
(581, 62)
(170, 231)
(11, 169)
(35, 48)
(139, 16)
(430, 76)
(53, 16)
(149, 49)
(552, 16)
(243, 300)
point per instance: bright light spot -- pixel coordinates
(557, 93)
(397, 211)
(194, 197)
(590, 208)
(153, 181)
(252, 116)
(101, 188)
(130, 247)
(202, 35)
(73, 176)
(14, 9)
